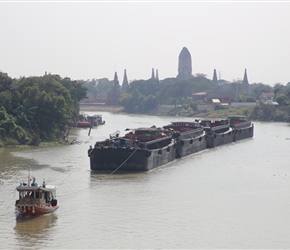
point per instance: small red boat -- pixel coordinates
(36, 199)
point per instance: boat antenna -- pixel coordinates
(28, 181)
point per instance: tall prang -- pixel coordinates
(214, 78)
(157, 75)
(245, 80)
(114, 93)
(184, 65)
(125, 84)
(246, 87)
(153, 74)
(116, 81)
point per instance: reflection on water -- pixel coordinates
(31, 231)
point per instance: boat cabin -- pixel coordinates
(43, 192)
(95, 120)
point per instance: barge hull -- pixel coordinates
(243, 133)
(218, 139)
(189, 146)
(130, 159)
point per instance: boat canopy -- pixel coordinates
(47, 188)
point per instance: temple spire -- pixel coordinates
(114, 93)
(125, 82)
(184, 65)
(152, 75)
(214, 78)
(157, 76)
(116, 81)
(245, 80)
(245, 84)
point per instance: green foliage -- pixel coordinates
(250, 99)
(281, 99)
(267, 112)
(9, 129)
(142, 96)
(259, 88)
(230, 111)
(5, 82)
(263, 112)
(177, 111)
(181, 91)
(38, 107)
(243, 98)
(98, 88)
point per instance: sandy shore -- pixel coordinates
(113, 109)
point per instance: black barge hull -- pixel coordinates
(190, 142)
(219, 138)
(243, 131)
(130, 159)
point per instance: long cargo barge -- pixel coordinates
(191, 137)
(243, 128)
(128, 154)
(144, 149)
(218, 132)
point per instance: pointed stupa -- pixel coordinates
(114, 93)
(116, 81)
(157, 76)
(245, 80)
(214, 78)
(125, 82)
(153, 74)
(245, 88)
(184, 65)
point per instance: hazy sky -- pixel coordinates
(85, 40)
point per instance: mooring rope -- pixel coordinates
(124, 162)
(82, 190)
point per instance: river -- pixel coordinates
(233, 196)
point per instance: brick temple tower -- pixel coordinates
(246, 87)
(214, 78)
(152, 74)
(125, 84)
(157, 75)
(114, 93)
(184, 65)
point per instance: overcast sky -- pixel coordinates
(85, 40)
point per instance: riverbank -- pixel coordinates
(101, 108)
(166, 110)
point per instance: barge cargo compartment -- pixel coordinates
(123, 155)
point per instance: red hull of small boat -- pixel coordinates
(36, 209)
(84, 124)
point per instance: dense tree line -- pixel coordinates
(143, 96)
(34, 109)
(97, 89)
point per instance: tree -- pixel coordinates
(38, 107)
(181, 90)
(281, 99)
(5, 81)
(257, 89)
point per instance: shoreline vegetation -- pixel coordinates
(165, 111)
(101, 108)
